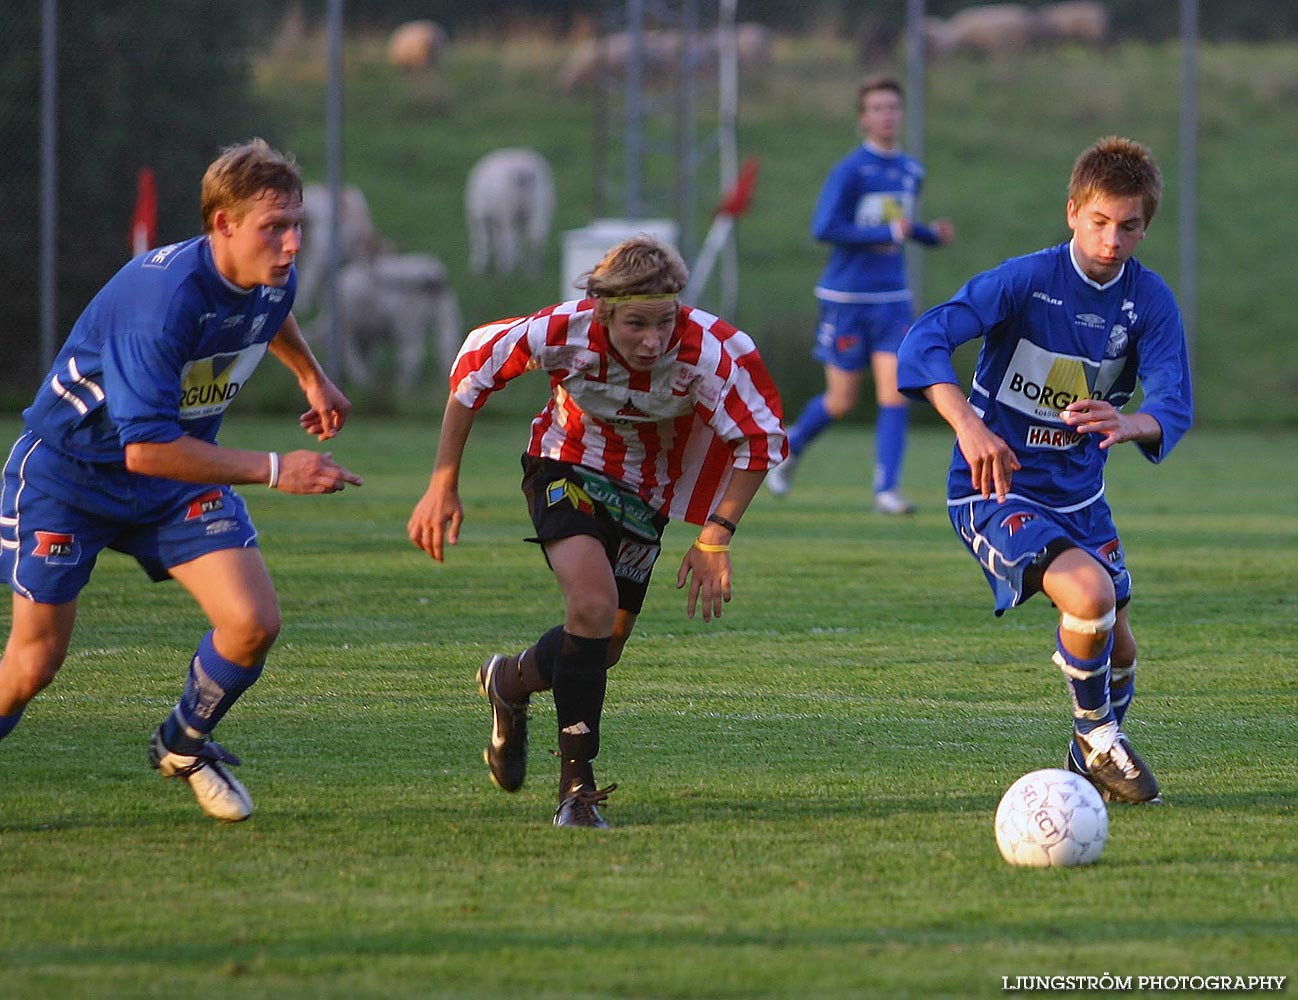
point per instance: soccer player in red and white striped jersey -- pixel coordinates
(658, 410)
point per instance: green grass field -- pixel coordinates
(806, 787)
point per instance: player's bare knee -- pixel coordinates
(248, 639)
(28, 675)
(591, 614)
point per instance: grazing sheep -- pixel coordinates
(402, 300)
(1081, 21)
(662, 50)
(357, 238)
(509, 206)
(416, 45)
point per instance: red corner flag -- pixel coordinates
(733, 205)
(739, 197)
(144, 224)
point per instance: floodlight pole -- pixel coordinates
(49, 180)
(333, 179)
(1189, 127)
(728, 143)
(915, 101)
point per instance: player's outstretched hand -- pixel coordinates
(435, 521)
(329, 410)
(708, 574)
(307, 472)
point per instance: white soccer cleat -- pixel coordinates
(892, 502)
(218, 792)
(779, 480)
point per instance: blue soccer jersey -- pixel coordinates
(864, 195)
(160, 352)
(1051, 336)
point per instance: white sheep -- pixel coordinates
(402, 300)
(357, 238)
(509, 206)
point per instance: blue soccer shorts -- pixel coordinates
(57, 515)
(848, 334)
(1015, 541)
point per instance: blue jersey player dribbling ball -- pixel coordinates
(1067, 333)
(119, 451)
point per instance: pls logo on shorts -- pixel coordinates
(56, 547)
(209, 503)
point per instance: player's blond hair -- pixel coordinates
(243, 171)
(1118, 167)
(641, 265)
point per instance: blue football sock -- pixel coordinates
(889, 446)
(1122, 688)
(813, 419)
(1088, 682)
(7, 722)
(214, 684)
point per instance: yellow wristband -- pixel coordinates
(705, 547)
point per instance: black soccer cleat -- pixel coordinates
(578, 807)
(506, 754)
(1119, 773)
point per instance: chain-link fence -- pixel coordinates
(139, 83)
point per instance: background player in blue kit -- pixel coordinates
(1067, 333)
(119, 451)
(866, 213)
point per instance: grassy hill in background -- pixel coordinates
(1000, 140)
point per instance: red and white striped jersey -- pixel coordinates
(672, 434)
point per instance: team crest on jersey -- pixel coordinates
(1117, 345)
(208, 503)
(58, 548)
(1059, 438)
(565, 489)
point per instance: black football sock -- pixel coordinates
(580, 679)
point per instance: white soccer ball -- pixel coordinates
(1051, 818)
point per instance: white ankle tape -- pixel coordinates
(1088, 626)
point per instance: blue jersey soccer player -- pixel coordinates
(119, 452)
(1067, 333)
(866, 213)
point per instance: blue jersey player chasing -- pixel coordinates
(1067, 333)
(866, 213)
(119, 451)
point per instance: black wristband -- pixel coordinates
(718, 519)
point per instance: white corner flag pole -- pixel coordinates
(733, 205)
